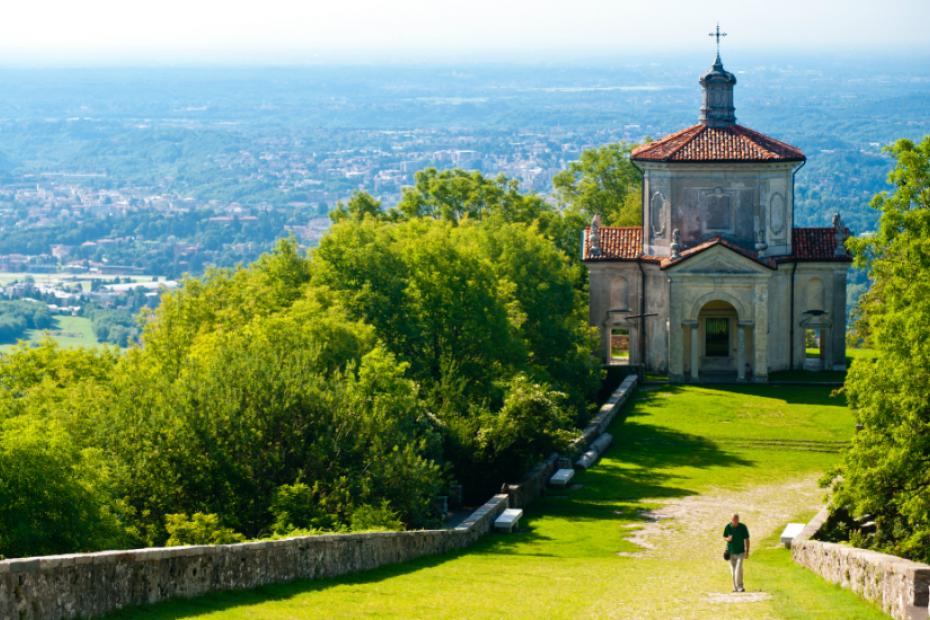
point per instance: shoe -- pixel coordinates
(741, 590)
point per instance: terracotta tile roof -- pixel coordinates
(706, 245)
(617, 243)
(814, 244)
(701, 143)
(626, 243)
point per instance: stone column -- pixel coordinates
(740, 353)
(838, 359)
(676, 336)
(760, 337)
(695, 347)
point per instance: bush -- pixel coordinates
(53, 497)
(367, 518)
(200, 529)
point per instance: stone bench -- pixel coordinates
(791, 531)
(508, 520)
(587, 460)
(562, 477)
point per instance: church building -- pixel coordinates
(718, 283)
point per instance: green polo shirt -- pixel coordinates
(740, 536)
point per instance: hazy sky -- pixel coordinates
(288, 31)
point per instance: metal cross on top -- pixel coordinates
(717, 34)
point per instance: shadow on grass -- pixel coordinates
(192, 608)
(790, 394)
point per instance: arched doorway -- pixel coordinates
(717, 325)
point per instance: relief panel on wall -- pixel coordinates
(778, 216)
(658, 215)
(813, 295)
(717, 207)
(619, 294)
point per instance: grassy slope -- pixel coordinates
(69, 332)
(676, 442)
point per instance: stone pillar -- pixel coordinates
(838, 360)
(676, 336)
(695, 348)
(760, 337)
(740, 353)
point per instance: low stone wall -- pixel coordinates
(93, 584)
(606, 414)
(900, 587)
(537, 479)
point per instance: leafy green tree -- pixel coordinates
(54, 497)
(18, 316)
(886, 472)
(456, 194)
(443, 339)
(602, 182)
(468, 307)
(358, 207)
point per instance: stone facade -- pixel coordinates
(705, 200)
(718, 283)
(900, 587)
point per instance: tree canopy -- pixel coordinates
(603, 182)
(886, 472)
(442, 341)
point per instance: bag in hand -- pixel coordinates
(726, 554)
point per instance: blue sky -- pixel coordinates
(288, 31)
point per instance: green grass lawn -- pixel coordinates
(69, 331)
(684, 458)
(826, 376)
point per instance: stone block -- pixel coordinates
(508, 520)
(587, 460)
(562, 477)
(791, 531)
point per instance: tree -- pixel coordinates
(359, 206)
(456, 194)
(602, 182)
(886, 472)
(300, 395)
(56, 489)
(469, 307)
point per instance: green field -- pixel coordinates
(638, 536)
(69, 331)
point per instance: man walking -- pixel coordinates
(737, 536)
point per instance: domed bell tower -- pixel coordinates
(718, 110)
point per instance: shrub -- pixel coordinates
(200, 529)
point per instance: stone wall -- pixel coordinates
(93, 584)
(606, 414)
(900, 587)
(537, 479)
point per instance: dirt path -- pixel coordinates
(687, 528)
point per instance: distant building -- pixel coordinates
(718, 282)
(61, 252)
